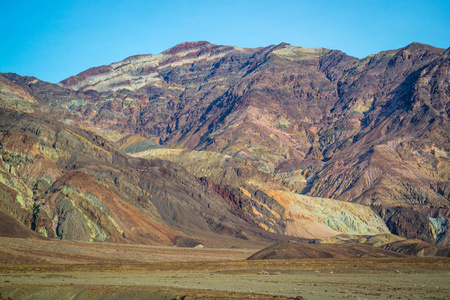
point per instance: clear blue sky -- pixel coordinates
(53, 40)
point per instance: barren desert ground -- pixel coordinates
(89, 271)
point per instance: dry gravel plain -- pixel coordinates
(93, 272)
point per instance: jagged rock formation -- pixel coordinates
(262, 123)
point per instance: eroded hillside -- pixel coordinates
(234, 137)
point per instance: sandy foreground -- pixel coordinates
(179, 273)
(310, 279)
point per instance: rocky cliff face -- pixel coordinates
(317, 122)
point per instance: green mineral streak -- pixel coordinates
(95, 202)
(281, 122)
(24, 194)
(110, 218)
(128, 101)
(48, 179)
(16, 159)
(343, 217)
(12, 170)
(345, 222)
(43, 231)
(20, 200)
(439, 225)
(67, 121)
(49, 152)
(76, 103)
(68, 190)
(274, 137)
(97, 233)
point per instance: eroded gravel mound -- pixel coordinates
(305, 250)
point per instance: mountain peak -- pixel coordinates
(283, 44)
(415, 46)
(187, 46)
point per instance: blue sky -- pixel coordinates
(53, 40)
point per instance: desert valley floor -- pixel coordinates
(66, 270)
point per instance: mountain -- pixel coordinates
(268, 141)
(345, 246)
(69, 183)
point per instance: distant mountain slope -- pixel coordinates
(373, 131)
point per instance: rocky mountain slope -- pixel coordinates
(250, 130)
(68, 183)
(71, 184)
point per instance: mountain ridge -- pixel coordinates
(318, 122)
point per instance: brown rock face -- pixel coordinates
(373, 131)
(408, 223)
